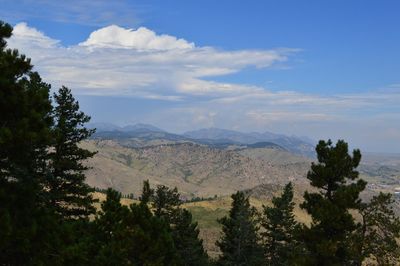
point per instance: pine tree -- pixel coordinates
(111, 239)
(147, 193)
(166, 204)
(279, 229)
(131, 236)
(151, 240)
(380, 231)
(240, 243)
(328, 238)
(69, 194)
(25, 122)
(186, 238)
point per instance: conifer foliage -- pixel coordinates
(70, 195)
(239, 243)
(378, 236)
(130, 236)
(166, 205)
(328, 238)
(185, 233)
(279, 229)
(25, 126)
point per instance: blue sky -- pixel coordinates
(323, 69)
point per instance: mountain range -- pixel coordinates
(139, 135)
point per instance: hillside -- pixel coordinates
(197, 170)
(204, 170)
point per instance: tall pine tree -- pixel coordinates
(239, 243)
(328, 238)
(25, 125)
(69, 194)
(110, 234)
(166, 204)
(186, 238)
(279, 229)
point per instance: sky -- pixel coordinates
(321, 69)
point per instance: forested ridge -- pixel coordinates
(47, 213)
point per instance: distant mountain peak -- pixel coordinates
(100, 126)
(141, 127)
(291, 143)
(105, 127)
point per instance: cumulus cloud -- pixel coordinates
(141, 39)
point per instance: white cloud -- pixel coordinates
(119, 61)
(31, 36)
(216, 89)
(141, 39)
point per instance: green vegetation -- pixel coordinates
(379, 231)
(69, 194)
(239, 243)
(280, 229)
(131, 235)
(25, 136)
(327, 239)
(166, 205)
(48, 215)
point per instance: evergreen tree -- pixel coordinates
(166, 204)
(279, 229)
(151, 240)
(27, 235)
(131, 236)
(186, 238)
(69, 194)
(328, 238)
(240, 243)
(76, 237)
(380, 231)
(147, 192)
(111, 232)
